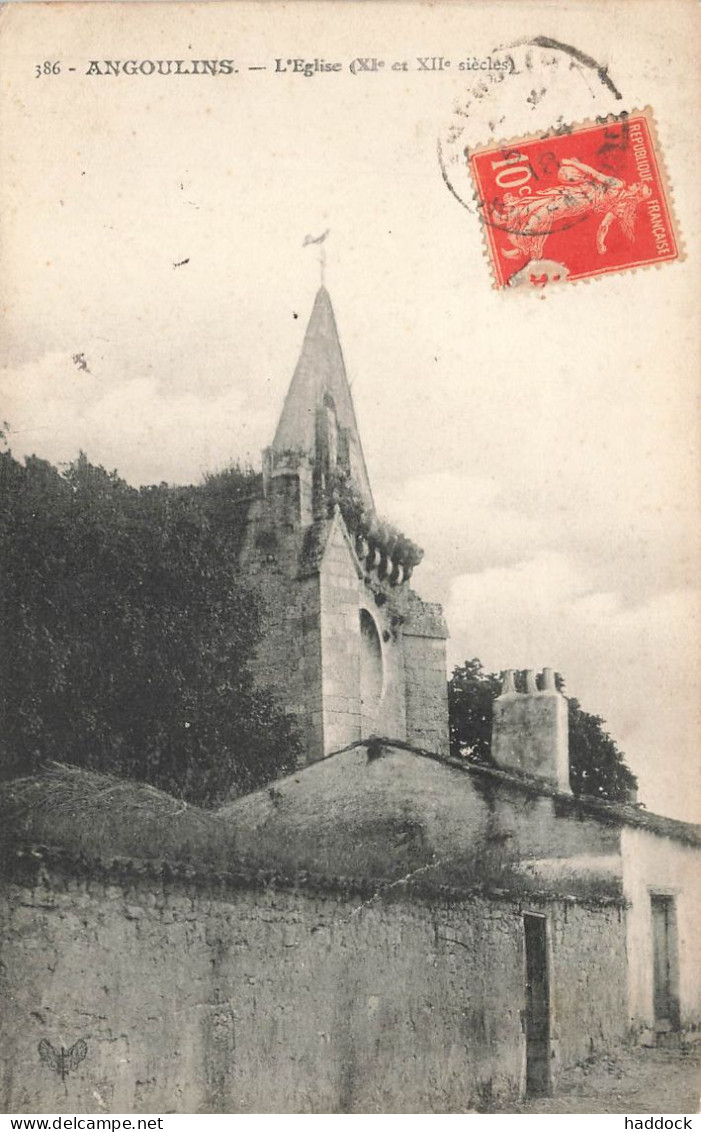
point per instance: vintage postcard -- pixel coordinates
(349, 553)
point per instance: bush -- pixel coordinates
(128, 632)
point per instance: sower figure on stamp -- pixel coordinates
(529, 221)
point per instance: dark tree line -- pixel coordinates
(597, 766)
(127, 632)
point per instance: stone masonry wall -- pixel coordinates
(426, 693)
(398, 812)
(343, 595)
(281, 1001)
(309, 650)
(288, 655)
(340, 646)
(588, 994)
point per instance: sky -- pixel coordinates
(542, 447)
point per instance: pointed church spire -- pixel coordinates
(320, 390)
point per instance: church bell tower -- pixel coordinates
(347, 646)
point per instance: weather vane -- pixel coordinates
(320, 240)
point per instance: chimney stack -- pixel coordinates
(530, 730)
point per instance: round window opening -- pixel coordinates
(370, 665)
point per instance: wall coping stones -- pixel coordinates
(29, 866)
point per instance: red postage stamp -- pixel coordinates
(572, 204)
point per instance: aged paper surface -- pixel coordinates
(165, 171)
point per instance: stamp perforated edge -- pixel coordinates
(564, 129)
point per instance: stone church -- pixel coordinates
(388, 929)
(348, 645)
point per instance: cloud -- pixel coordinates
(464, 519)
(146, 431)
(633, 532)
(634, 664)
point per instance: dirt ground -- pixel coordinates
(636, 1080)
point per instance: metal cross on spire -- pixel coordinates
(321, 241)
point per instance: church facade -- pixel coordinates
(347, 645)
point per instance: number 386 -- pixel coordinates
(47, 69)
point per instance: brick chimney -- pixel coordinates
(530, 730)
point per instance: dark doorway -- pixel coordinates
(537, 1016)
(666, 965)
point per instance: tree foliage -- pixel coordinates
(127, 632)
(597, 766)
(471, 693)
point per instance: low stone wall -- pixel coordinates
(242, 999)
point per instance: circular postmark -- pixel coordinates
(542, 153)
(547, 86)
